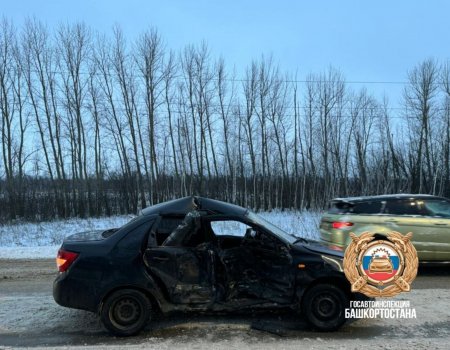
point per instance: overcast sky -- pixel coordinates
(376, 41)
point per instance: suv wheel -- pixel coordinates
(126, 312)
(324, 307)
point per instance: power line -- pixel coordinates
(102, 106)
(240, 80)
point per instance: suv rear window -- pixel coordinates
(340, 208)
(369, 207)
(373, 207)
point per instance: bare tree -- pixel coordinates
(115, 123)
(126, 79)
(225, 96)
(419, 97)
(247, 121)
(74, 45)
(150, 60)
(39, 62)
(169, 75)
(364, 111)
(445, 80)
(13, 96)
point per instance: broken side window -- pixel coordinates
(187, 232)
(165, 227)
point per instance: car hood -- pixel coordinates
(332, 258)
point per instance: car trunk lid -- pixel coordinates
(95, 235)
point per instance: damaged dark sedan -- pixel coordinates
(198, 254)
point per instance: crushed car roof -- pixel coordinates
(184, 205)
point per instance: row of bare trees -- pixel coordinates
(96, 125)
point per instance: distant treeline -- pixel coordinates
(98, 125)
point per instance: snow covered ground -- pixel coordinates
(42, 240)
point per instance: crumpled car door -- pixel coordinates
(261, 269)
(185, 272)
(275, 273)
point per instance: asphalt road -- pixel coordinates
(30, 318)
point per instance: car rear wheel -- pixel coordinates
(324, 307)
(126, 312)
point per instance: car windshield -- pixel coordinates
(258, 220)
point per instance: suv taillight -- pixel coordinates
(64, 259)
(340, 224)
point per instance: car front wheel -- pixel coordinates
(126, 312)
(324, 307)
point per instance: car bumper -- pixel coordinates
(74, 293)
(328, 241)
(339, 238)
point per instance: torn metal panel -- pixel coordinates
(186, 273)
(184, 231)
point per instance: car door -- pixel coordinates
(187, 271)
(408, 215)
(272, 263)
(260, 267)
(437, 213)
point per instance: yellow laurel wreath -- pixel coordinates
(401, 283)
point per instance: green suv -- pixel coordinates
(427, 217)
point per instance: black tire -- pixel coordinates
(324, 307)
(126, 312)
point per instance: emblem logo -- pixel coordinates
(381, 268)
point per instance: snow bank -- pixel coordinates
(41, 252)
(300, 223)
(42, 240)
(53, 232)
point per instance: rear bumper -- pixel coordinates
(74, 293)
(338, 238)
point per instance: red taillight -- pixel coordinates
(64, 259)
(340, 225)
